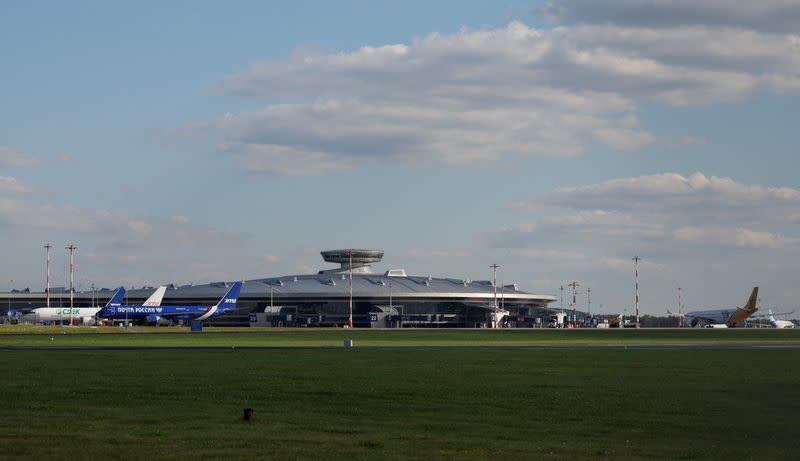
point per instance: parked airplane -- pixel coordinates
(164, 315)
(779, 323)
(87, 315)
(722, 318)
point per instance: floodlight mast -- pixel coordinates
(350, 316)
(47, 247)
(589, 301)
(71, 249)
(495, 323)
(574, 286)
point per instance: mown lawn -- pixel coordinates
(168, 336)
(401, 404)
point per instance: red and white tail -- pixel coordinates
(156, 297)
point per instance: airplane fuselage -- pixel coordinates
(729, 316)
(52, 314)
(143, 312)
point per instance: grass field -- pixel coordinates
(401, 404)
(154, 336)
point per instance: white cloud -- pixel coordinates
(763, 15)
(111, 229)
(663, 213)
(13, 185)
(480, 95)
(697, 196)
(576, 259)
(10, 156)
(270, 259)
(738, 237)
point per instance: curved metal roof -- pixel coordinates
(364, 285)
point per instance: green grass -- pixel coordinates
(168, 336)
(401, 404)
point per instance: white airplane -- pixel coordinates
(722, 318)
(779, 323)
(88, 315)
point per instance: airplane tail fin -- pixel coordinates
(115, 301)
(156, 297)
(771, 317)
(751, 303)
(228, 302)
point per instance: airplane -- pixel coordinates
(88, 315)
(165, 315)
(722, 318)
(779, 323)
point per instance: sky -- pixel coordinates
(191, 142)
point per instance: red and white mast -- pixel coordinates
(636, 260)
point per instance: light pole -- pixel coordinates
(47, 247)
(71, 249)
(574, 286)
(589, 308)
(494, 267)
(350, 290)
(10, 284)
(391, 307)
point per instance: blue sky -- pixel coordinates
(197, 141)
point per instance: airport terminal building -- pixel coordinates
(391, 299)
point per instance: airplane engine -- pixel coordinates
(153, 319)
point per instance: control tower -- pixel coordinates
(361, 259)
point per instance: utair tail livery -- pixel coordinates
(87, 315)
(162, 315)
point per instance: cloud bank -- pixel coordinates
(11, 157)
(480, 95)
(666, 214)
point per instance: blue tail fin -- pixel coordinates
(117, 299)
(113, 303)
(228, 302)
